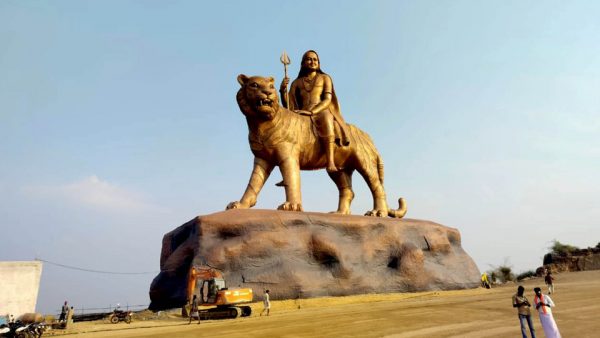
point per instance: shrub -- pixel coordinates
(562, 249)
(502, 273)
(492, 276)
(526, 274)
(506, 274)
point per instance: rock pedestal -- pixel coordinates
(304, 254)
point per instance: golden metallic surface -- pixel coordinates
(312, 94)
(307, 133)
(285, 59)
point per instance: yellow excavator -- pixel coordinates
(208, 285)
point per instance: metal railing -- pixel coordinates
(83, 313)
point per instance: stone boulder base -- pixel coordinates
(304, 254)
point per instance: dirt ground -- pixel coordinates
(465, 313)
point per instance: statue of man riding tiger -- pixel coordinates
(312, 136)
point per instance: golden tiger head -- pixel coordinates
(258, 97)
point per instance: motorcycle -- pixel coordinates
(37, 329)
(13, 329)
(19, 330)
(120, 316)
(4, 329)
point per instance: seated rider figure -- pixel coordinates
(312, 94)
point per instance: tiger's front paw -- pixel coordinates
(287, 206)
(237, 205)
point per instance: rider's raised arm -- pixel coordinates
(284, 93)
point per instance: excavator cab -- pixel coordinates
(207, 290)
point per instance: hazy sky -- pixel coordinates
(119, 122)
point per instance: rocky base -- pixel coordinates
(303, 254)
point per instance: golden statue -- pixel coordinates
(312, 94)
(290, 140)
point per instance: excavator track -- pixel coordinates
(222, 312)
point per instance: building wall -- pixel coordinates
(19, 287)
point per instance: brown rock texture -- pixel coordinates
(304, 254)
(578, 260)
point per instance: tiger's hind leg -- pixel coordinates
(380, 207)
(343, 181)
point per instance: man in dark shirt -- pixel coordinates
(63, 312)
(522, 304)
(550, 282)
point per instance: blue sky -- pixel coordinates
(119, 122)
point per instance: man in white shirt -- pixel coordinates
(543, 304)
(266, 303)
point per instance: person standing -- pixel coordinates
(522, 304)
(543, 304)
(550, 282)
(266, 303)
(194, 309)
(70, 314)
(63, 312)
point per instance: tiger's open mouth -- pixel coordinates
(265, 102)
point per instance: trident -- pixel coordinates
(285, 59)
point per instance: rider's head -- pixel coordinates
(310, 62)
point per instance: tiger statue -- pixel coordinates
(283, 138)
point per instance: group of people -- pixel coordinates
(66, 314)
(543, 305)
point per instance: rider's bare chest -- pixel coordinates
(311, 90)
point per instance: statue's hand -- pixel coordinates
(284, 84)
(237, 205)
(305, 112)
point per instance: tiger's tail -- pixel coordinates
(401, 211)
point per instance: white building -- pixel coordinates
(19, 287)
